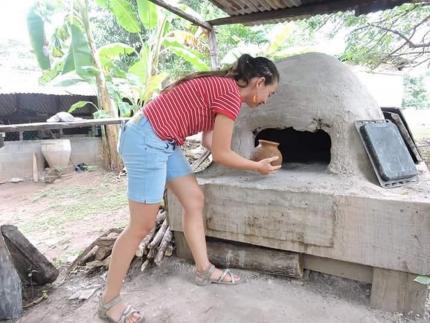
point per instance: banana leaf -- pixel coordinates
(148, 13)
(36, 30)
(124, 14)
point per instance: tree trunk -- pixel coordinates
(110, 154)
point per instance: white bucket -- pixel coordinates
(56, 152)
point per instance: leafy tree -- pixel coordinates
(415, 92)
(399, 37)
(118, 69)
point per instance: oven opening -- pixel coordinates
(299, 146)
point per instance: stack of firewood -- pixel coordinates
(152, 249)
(157, 244)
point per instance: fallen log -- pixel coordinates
(32, 266)
(10, 286)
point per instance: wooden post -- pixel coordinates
(396, 291)
(213, 49)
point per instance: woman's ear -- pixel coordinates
(260, 81)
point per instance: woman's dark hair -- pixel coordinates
(245, 68)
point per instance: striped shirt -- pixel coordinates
(191, 107)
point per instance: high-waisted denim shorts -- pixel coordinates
(150, 161)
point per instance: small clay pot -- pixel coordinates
(266, 149)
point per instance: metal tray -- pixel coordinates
(387, 152)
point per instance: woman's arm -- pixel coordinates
(207, 139)
(222, 153)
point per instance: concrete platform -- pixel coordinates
(307, 210)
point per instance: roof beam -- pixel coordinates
(308, 10)
(182, 14)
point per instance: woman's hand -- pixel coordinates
(265, 167)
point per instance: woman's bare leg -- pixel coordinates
(191, 197)
(142, 220)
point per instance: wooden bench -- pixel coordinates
(22, 127)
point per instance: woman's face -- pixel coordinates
(260, 93)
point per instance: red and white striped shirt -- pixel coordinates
(191, 107)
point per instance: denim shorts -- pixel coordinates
(150, 161)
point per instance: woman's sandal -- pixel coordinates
(126, 313)
(204, 278)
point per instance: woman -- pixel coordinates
(207, 102)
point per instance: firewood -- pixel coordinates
(89, 256)
(108, 237)
(103, 252)
(107, 241)
(151, 253)
(163, 246)
(144, 265)
(161, 216)
(159, 235)
(141, 249)
(169, 250)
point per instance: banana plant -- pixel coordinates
(274, 48)
(144, 78)
(128, 86)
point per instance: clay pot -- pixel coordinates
(56, 152)
(266, 149)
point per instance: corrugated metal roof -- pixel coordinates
(299, 9)
(77, 89)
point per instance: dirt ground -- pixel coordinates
(63, 218)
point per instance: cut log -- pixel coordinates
(163, 246)
(159, 235)
(27, 259)
(10, 286)
(240, 255)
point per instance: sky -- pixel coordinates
(13, 20)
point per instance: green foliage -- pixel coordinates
(425, 280)
(397, 37)
(80, 51)
(415, 93)
(36, 29)
(132, 68)
(80, 104)
(147, 13)
(123, 12)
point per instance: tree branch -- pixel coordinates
(407, 40)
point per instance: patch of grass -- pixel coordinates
(76, 202)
